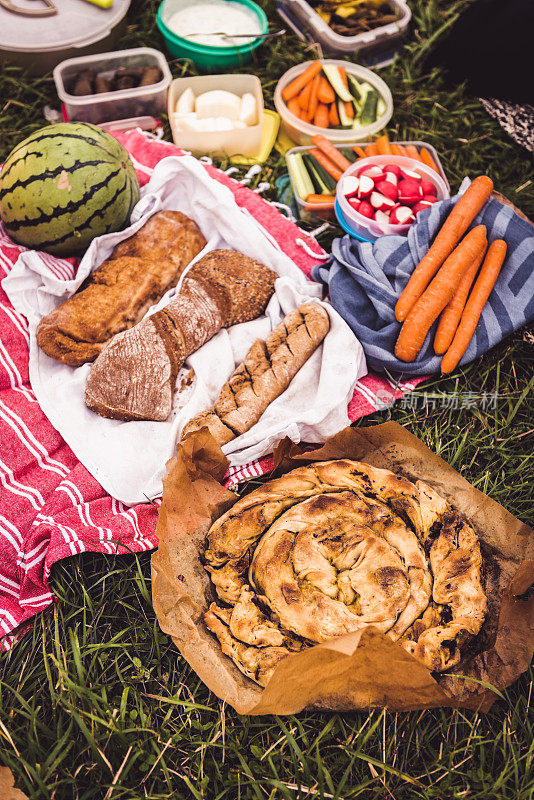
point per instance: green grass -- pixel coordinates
(95, 702)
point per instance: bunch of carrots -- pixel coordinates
(383, 147)
(441, 283)
(311, 98)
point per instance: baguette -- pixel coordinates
(266, 372)
(134, 377)
(121, 290)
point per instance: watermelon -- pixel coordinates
(64, 185)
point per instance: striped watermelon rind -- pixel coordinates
(64, 185)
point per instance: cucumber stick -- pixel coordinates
(327, 179)
(369, 110)
(336, 82)
(344, 119)
(301, 180)
(318, 183)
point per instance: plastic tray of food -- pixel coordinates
(78, 81)
(327, 210)
(302, 131)
(375, 47)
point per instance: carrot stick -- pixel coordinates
(452, 314)
(477, 300)
(349, 109)
(412, 152)
(371, 150)
(331, 152)
(304, 96)
(320, 119)
(325, 94)
(452, 230)
(383, 146)
(401, 149)
(325, 162)
(333, 116)
(359, 151)
(314, 100)
(427, 159)
(321, 199)
(343, 75)
(438, 294)
(293, 105)
(292, 89)
(396, 150)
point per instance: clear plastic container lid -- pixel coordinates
(76, 24)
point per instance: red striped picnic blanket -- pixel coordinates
(50, 505)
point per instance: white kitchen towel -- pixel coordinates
(128, 458)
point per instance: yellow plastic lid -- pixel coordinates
(271, 123)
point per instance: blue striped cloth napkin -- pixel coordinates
(365, 279)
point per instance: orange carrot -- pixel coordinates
(371, 150)
(320, 199)
(427, 159)
(314, 100)
(412, 152)
(449, 319)
(383, 146)
(293, 105)
(401, 149)
(343, 75)
(359, 151)
(304, 96)
(477, 300)
(396, 150)
(452, 230)
(303, 115)
(325, 162)
(325, 94)
(349, 109)
(320, 119)
(333, 116)
(438, 294)
(331, 152)
(292, 89)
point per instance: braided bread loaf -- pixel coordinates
(134, 376)
(267, 370)
(336, 546)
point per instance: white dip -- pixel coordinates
(201, 20)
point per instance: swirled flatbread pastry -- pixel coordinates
(336, 546)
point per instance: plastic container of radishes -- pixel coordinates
(369, 229)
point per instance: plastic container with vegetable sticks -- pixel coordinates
(242, 141)
(206, 57)
(301, 132)
(376, 47)
(368, 229)
(139, 101)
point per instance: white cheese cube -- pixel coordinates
(248, 112)
(218, 103)
(186, 102)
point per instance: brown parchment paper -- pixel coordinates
(363, 669)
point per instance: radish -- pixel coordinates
(350, 185)
(380, 202)
(366, 186)
(420, 206)
(427, 187)
(372, 171)
(410, 173)
(429, 198)
(409, 191)
(387, 189)
(401, 215)
(365, 209)
(381, 218)
(393, 169)
(391, 178)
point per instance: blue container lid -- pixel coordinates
(345, 225)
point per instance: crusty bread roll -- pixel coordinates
(121, 290)
(337, 546)
(267, 370)
(135, 375)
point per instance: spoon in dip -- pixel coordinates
(236, 35)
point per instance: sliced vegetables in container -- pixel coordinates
(343, 101)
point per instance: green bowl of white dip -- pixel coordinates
(191, 27)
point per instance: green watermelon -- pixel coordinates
(64, 185)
